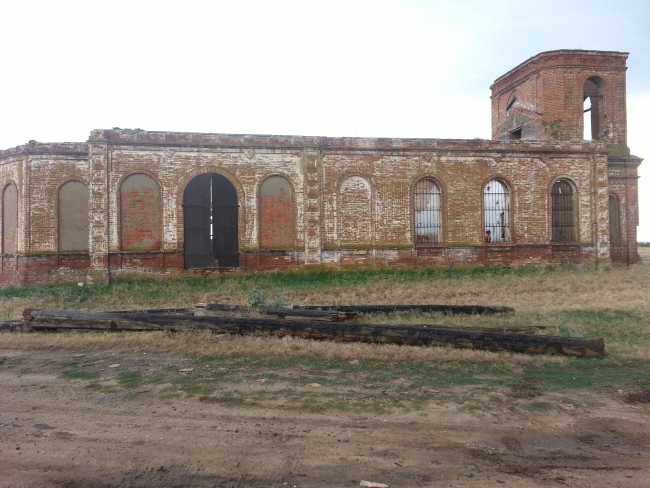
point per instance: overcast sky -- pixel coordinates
(330, 68)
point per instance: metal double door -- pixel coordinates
(211, 211)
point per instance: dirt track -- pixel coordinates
(59, 433)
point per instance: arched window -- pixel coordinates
(614, 221)
(9, 219)
(140, 213)
(496, 204)
(355, 212)
(593, 89)
(73, 217)
(427, 203)
(277, 223)
(562, 212)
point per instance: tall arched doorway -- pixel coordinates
(210, 209)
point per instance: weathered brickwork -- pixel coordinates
(73, 217)
(286, 201)
(355, 209)
(140, 213)
(277, 216)
(9, 219)
(544, 98)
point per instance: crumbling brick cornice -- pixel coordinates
(561, 58)
(51, 148)
(141, 138)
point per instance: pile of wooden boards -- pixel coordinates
(335, 323)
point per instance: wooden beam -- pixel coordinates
(446, 309)
(11, 325)
(163, 311)
(238, 310)
(422, 335)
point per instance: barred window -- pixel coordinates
(562, 212)
(496, 203)
(427, 212)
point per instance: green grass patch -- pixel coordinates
(130, 379)
(13, 362)
(590, 374)
(632, 328)
(537, 407)
(79, 375)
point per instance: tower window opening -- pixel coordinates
(515, 135)
(587, 119)
(593, 108)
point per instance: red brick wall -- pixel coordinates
(277, 217)
(348, 202)
(355, 213)
(623, 183)
(140, 213)
(73, 217)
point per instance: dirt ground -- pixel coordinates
(60, 432)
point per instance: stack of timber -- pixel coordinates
(422, 335)
(350, 312)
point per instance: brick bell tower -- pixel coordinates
(576, 95)
(546, 96)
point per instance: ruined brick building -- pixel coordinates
(539, 192)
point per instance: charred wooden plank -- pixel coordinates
(341, 331)
(331, 315)
(508, 329)
(164, 311)
(447, 309)
(11, 325)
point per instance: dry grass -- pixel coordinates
(619, 288)
(208, 344)
(582, 289)
(608, 302)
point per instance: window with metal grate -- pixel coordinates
(562, 212)
(428, 209)
(496, 204)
